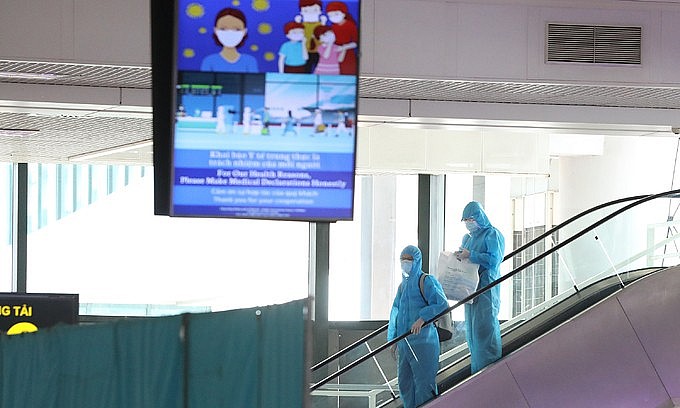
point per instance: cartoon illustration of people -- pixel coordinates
(221, 120)
(293, 54)
(345, 29)
(319, 126)
(247, 113)
(330, 54)
(349, 123)
(230, 33)
(266, 119)
(310, 16)
(340, 128)
(290, 125)
(256, 124)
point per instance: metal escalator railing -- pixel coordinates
(578, 240)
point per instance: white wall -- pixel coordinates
(400, 38)
(505, 40)
(91, 31)
(629, 166)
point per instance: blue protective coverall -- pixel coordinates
(482, 330)
(418, 364)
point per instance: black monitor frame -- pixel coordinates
(164, 19)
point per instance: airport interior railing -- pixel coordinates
(585, 258)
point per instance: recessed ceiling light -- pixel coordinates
(17, 132)
(111, 151)
(30, 75)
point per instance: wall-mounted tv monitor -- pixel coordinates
(255, 108)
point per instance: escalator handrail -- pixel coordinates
(498, 281)
(508, 256)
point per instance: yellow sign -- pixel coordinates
(22, 327)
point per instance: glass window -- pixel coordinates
(82, 186)
(346, 283)
(363, 252)
(47, 194)
(99, 182)
(6, 206)
(118, 177)
(119, 253)
(458, 194)
(494, 191)
(33, 200)
(66, 188)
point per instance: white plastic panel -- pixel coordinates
(363, 155)
(454, 151)
(397, 149)
(515, 152)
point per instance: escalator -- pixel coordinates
(622, 351)
(593, 265)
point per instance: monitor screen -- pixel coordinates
(264, 106)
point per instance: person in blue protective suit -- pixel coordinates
(418, 353)
(483, 245)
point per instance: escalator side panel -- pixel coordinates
(477, 393)
(595, 359)
(653, 309)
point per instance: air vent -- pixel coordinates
(594, 44)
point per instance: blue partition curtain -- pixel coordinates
(242, 358)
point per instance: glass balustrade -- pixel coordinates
(606, 243)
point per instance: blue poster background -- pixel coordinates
(265, 22)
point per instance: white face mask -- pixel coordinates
(328, 38)
(310, 16)
(406, 267)
(336, 16)
(296, 36)
(230, 38)
(471, 226)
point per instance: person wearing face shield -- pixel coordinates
(230, 33)
(418, 353)
(483, 245)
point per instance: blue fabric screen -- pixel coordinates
(242, 358)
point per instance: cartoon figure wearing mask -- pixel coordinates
(293, 53)
(330, 54)
(310, 16)
(230, 33)
(345, 29)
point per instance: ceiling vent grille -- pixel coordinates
(594, 44)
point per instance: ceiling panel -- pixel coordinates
(64, 133)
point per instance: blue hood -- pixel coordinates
(417, 267)
(475, 211)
